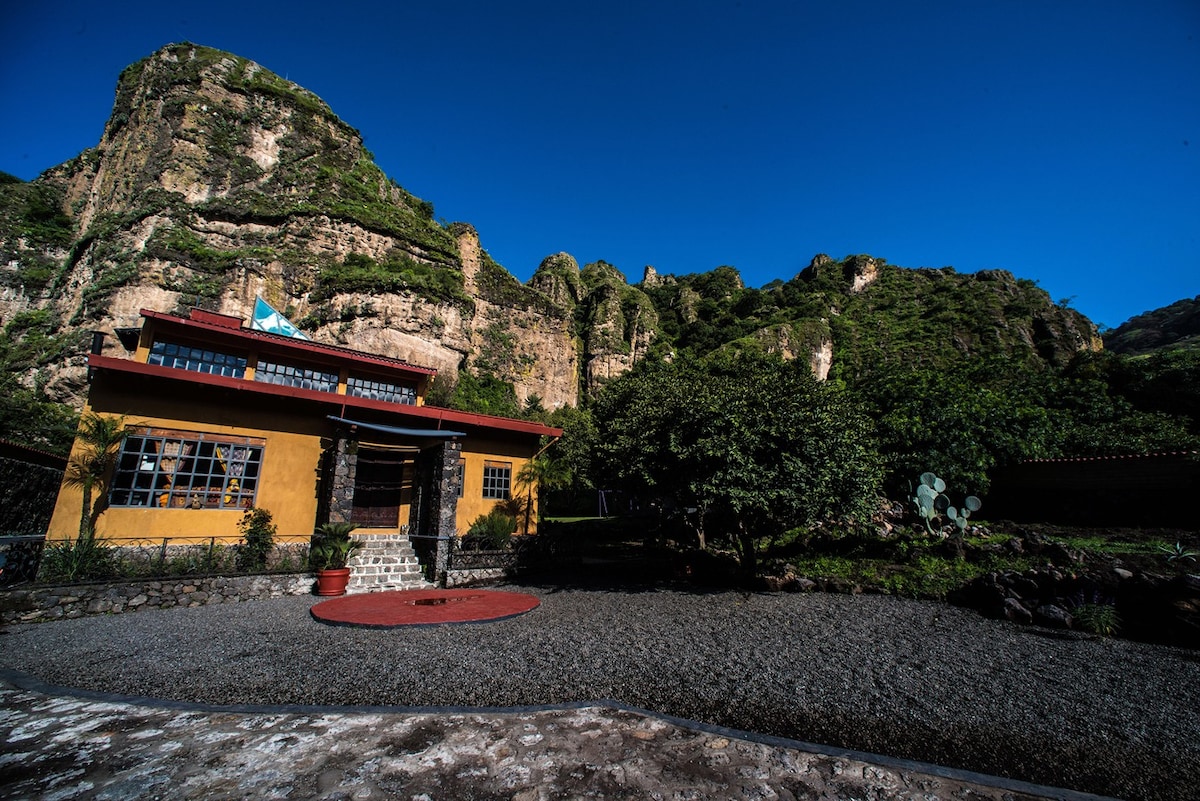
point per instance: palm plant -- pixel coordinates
(97, 442)
(544, 473)
(332, 546)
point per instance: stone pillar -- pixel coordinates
(442, 499)
(341, 490)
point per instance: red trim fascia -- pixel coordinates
(443, 415)
(283, 344)
(343, 402)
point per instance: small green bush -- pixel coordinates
(332, 546)
(258, 538)
(1097, 618)
(490, 532)
(68, 560)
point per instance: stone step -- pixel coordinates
(385, 562)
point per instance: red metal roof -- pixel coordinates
(221, 325)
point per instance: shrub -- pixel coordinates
(258, 537)
(90, 558)
(1097, 618)
(490, 532)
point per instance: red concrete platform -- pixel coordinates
(386, 610)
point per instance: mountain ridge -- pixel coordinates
(216, 181)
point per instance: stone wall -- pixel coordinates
(36, 604)
(481, 575)
(29, 482)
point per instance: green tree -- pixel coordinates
(1093, 416)
(542, 473)
(27, 417)
(959, 422)
(754, 443)
(97, 442)
(575, 447)
(485, 394)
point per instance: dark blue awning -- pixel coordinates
(428, 433)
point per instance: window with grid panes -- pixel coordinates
(186, 470)
(197, 360)
(496, 479)
(289, 375)
(370, 388)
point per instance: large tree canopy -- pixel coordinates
(755, 444)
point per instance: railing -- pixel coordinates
(523, 552)
(69, 561)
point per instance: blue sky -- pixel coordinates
(1059, 140)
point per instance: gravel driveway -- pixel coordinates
(910, 679)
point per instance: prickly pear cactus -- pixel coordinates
(931, 504)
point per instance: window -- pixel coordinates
(496, 479)
(186, 470)
(290, 376)
(381, 390)
(378, 488)
(460, 476)
(198, 360)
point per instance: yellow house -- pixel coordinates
(221, 417)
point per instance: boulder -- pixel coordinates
(1052, 616)
(1015, 611)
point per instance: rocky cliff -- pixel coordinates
(216, 180)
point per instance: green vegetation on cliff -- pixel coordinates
(362, 274)
(1175, 327)
(874, 314)
(33, 226)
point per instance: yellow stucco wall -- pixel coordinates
(289, 481)
(477, 451)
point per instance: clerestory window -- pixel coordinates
(361, 387)
(197, 360)
(289, 375)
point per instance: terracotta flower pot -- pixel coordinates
(333, 581)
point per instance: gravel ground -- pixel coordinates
(909, 679)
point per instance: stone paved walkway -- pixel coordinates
(61, 745)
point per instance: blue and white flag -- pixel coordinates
(271, 321)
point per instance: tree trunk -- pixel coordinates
(746, 552)
(85, 513)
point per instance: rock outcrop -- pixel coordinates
(216, 181)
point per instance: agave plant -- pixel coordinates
(1178, 553)
(332, 546)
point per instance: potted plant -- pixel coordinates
(332, 547)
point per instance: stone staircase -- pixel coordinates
(385, 562)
